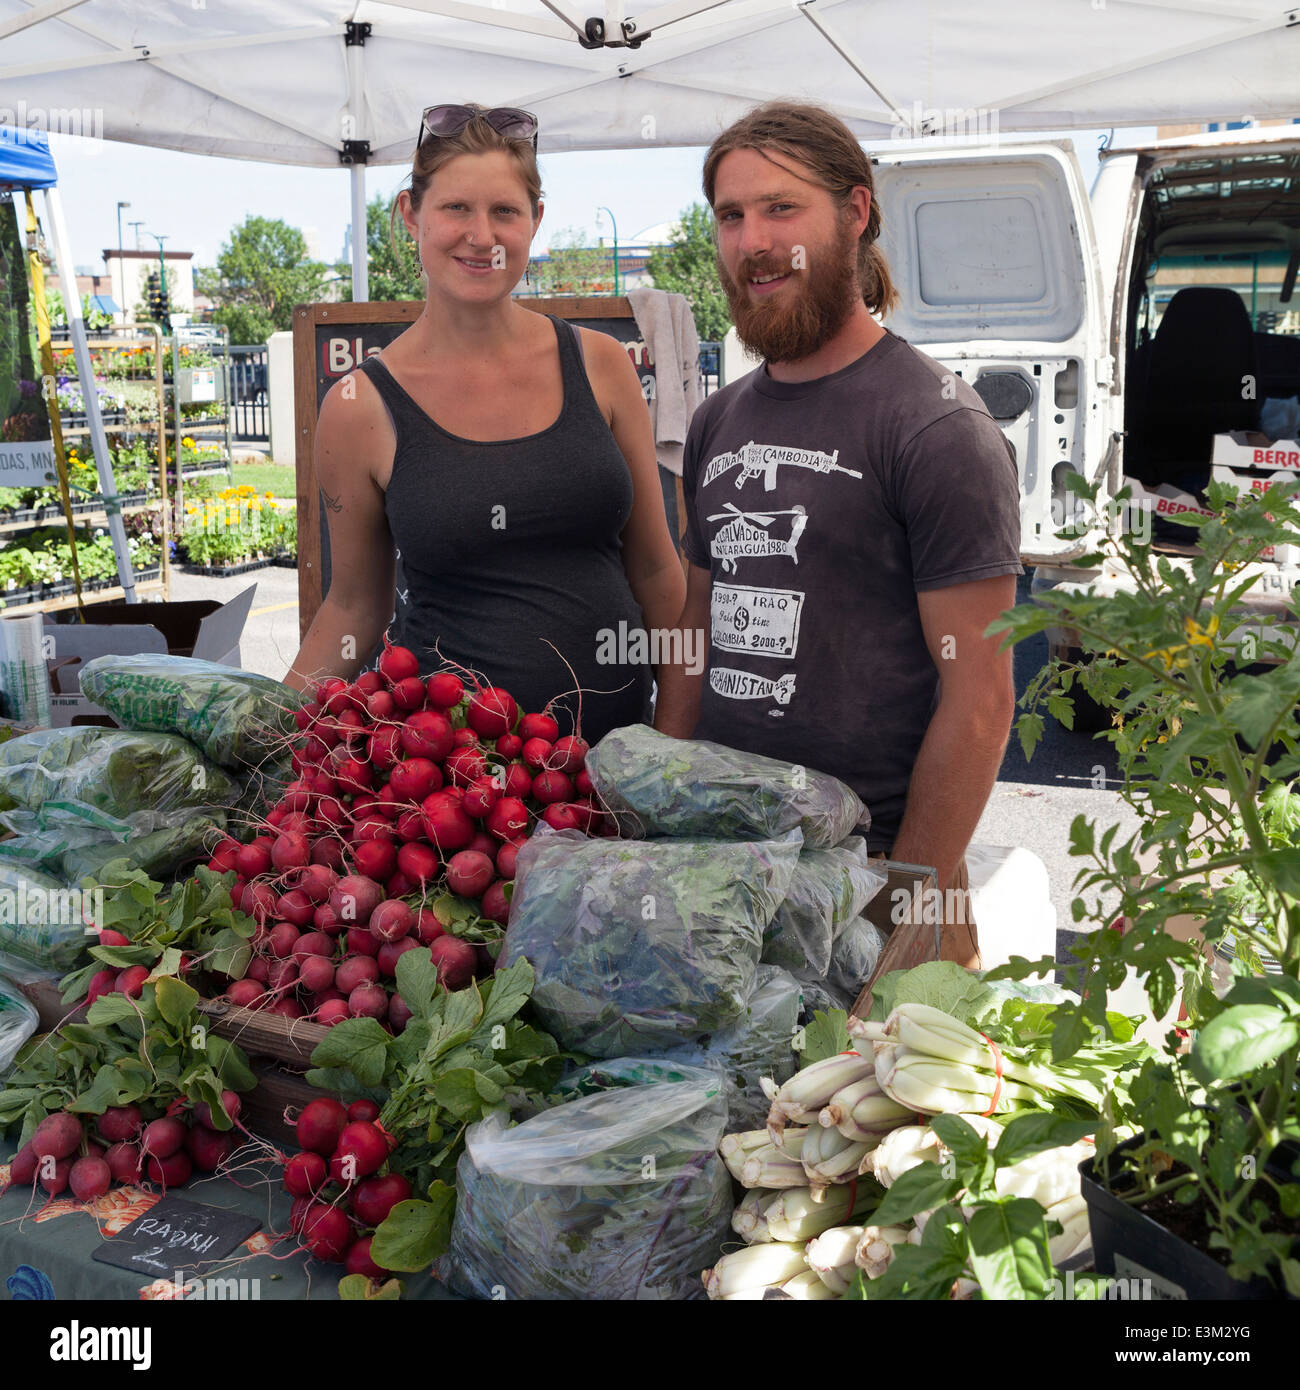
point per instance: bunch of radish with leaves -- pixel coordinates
(381, 1160)
(192, 930)
(139, 1091)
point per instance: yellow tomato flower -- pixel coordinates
(1199, 636)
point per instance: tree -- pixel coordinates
(688, 265)
(574, 267)
(394, 274)
(262, 272)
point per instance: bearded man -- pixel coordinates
(853, 517)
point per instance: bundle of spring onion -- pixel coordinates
(845, 1111)
(932, 1063)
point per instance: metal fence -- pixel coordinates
(249, 402)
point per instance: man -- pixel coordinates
(853, 516)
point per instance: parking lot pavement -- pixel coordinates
(1034, 801)
(270, 640)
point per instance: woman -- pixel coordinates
(505, 456)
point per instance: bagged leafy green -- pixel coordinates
(640, 945)
(236, 717)
(116, 770)
(18, 1020)
(828, 889)
(617, 1193)
(854, 956)
(672, 786)
(71, 840)
(44, 926)
(760, 1043)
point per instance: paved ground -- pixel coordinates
(270, 640)
(1032, 804)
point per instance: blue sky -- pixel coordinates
(194, 200)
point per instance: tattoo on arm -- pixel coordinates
(333, 503)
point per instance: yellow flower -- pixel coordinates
(1169, 656)
(1199, 636)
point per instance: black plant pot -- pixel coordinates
(1128, 1244)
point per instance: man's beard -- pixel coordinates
(790, 326)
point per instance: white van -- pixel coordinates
(1129, 338)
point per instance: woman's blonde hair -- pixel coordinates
(812, 136)
(478, 137)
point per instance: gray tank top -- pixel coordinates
(507, 546)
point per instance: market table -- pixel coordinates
(47, 1245)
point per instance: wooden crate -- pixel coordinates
(279, 1088)
(290, 1040)
(915, 943)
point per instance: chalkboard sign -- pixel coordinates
(175, 1236)
(331, 340)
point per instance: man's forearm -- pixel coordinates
(954, 773)
(677, 710)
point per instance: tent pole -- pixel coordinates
(358, 146)
(360, 252)
(90, 394)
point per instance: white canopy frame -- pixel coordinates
(594, 69)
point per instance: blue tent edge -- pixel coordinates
(25, 159)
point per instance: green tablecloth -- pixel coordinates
(46, 1245)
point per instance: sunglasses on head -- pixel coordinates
(441, 122)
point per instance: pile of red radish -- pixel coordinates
(407, 788)
(338, 1181)
(63, 1155)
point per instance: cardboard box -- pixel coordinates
(1170, 502)
(1251, 449)
(203, 628)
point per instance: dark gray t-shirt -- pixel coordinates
(821, 508)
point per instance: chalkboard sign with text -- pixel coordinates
(176, 1235)
(331, 340)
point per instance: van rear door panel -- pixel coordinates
(993, 252)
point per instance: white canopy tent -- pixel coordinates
(326, 82)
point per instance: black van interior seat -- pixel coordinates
(1278, 358)
(1201, 380)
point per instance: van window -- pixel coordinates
(983, 248)
(972, 252)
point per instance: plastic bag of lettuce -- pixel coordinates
(72, 840)
(115, 770)
(44, 926)
(615, 1193)
(236, 717)
(829, 888)
(759, 1043)
(673, 786)
(642, 945)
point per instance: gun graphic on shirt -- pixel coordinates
(763, 460)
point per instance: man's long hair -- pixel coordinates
(815, 138)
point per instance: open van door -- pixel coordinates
(994, 256)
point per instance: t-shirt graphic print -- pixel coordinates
(820, 509)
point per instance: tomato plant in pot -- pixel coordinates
(1206, 1196)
